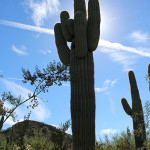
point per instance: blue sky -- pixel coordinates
(27, 40)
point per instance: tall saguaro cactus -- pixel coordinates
(83, 31)
(136, 112)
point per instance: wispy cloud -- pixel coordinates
(109, 131)
(41, 10)
(19, 51)
(139, 36)
(127, 60)
(107, 84)
(124, 55)
(46, 52)
(101, 89)
(26, 27)
(118, 46)
(118, 52)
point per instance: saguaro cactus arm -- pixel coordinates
(62, 48)
(93, 24)
(70, 25)
(64, 16)
(126, 106)
(135, 96)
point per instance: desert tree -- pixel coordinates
(53, 74)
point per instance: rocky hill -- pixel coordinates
(27, 128)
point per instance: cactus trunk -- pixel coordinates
(82, 102)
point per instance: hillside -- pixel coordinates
(27, 128)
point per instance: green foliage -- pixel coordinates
(2, 141)
(40, 141)
(147, 117)
(124, 141)
(58, 137)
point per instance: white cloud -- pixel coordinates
(16, 89)
(46, 52)
(101, 89)
(55, 125)
(118, 52)
(19, 51)
(26, 27)
(107, 84)
(69, 131)
(127, 60)
(109, 131)
(114, 82)
(139, 36)
(41, 112)
(66, 84)
(41, 10)
(9, 121)
(118, 46)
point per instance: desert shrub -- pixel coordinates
(124, 141)
(2, 141)
(40, 141)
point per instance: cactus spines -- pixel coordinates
(148, 70)
(136, 112)
(84, 33)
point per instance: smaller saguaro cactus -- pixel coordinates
(148, 70)
(136, 112)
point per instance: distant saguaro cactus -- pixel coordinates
(136, 112)
(84, 34)
(148, 70)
